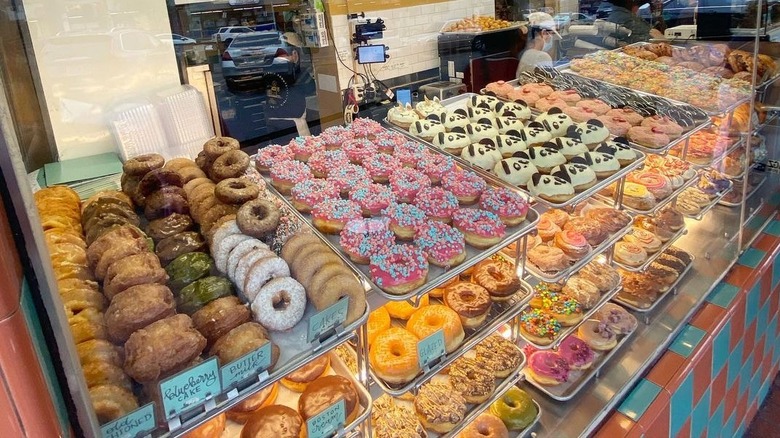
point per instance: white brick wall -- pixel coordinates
(411, 36)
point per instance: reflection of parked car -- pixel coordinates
(250, 57)
(604, 10)
(678, 12)
(226, 34)
(566, 19)
(176, 39)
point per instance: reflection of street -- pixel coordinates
(249, 116)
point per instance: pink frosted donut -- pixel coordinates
(335, 136)
(649, 136)
(665, 125)
(579, 114)
(322, 162)
(381, 166)
(307, 194)
(399, 268)
(270, 155)
(372, 198)
(359, 149)
(543, 90)
(595, 105)
(330, 215)
(404, 219)
(576, 352)
(435, 166)
(285, 174)
(410, 153)
(437, 203)
(467, 186)
(482, 229)
(499, 88)
(366, 128)
(445, 246)
(362, 238)
(388, 140)
(616, 125)
(303, 147)
(510, 206)
(550, 366)
(627, 114)
(568, 96)
(349, 176)
(544, 104)
(527, 96)
(407, 182)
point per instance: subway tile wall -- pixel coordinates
(411, 36)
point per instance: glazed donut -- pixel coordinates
(218, 146)
(166, 201)
(576, 352)
(111, 402)
(236, 191)
(263, 271)
(591, 230)
(573, 244)
(167, 226)
(427, 320)
(232, 164)
(299, 379)
(190, 186)
(585, 292)
(170, 248)
(473, 380)
(500, 354)
(404, 310)
(129, 186)
(610, 219)
(243, 411)
(485, 426)
(86, 325)
(470, 301)
(498, 278)
(178, 164)
(393, 356)
(629, 254)
(655, 183)
(258, 218)
(326, 391)
(76, 300)
(157, 179)
(210, 429)
(597, 335)
(270, 420)
(548, 368)
(378, 321)
(219, 317)
(280, 304)
(439, 407)
(143, 164)
(101, 373)
(100, 350)
(143, 268)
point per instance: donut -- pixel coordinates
(242, 249)
(515, 408)
(548, 368)
(327, 391)
(269, 420)
(359, 149)
(242, 412)
(590, 229)
(576, 352)
(214, 213)
(381, 166)
(166, 201)
(582, 290)
(598, 336)
(437, 203)
(509, 205)
(629, 254)
(337, 287)
(305, 147)
(404, 219)
(406, 183)
(500, 355)
(236, 191)
(347, 177)
(362, 238)
(261, 272)
(439, 407)
(499, 278)
(267, 157)
(305, 195)
(245, 265)
(372, 198)
(539, 327)
(190, 173)
(140, 165)
(156, 179)
(551, 188)
(655, 183)
(649, 136)
(231, 164)
(473, 380)
(482, 229)
(647, 240)
(403, 309)
(470, 301)
(399, 269)
(430, 319)
(617, 319)
(378, 321)
(111, 402)
(485, 426)
(218, 146)
(393, 356)
(444, 245)
(331, 215)
(297, 242)
(279, 304)
(258, 218)
(322, 162)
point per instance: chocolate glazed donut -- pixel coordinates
(230, 165)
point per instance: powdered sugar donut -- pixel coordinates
(242, 249)
(261, 273)
(221, 249)
(280, 304)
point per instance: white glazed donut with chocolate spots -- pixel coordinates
(591, 132)
(535, 134)
(483, 101)
(513, 109)
(508, 144)
(543, 158)
(508, 123)
(516, 171)
(475, 114)
(484, 156)
(603, 164)
(450, 120)
(452, 142)
(480, 131)
(582, 177)
(568, 146)
(426, 129)
(555, 121)
(551, 188)
(619, 148)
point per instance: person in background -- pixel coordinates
(539, 34)
(624, 13)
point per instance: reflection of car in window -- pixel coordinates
(250, 57)
(678, 12)
(175, 39)
(226, 34)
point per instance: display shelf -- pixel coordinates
(672, 290)
(652, 257)
(770, 118)
(500, 314)
(460, 102)
(721, 156)
(752, 192)
(698, 216)
(566, 331)
(568, 390)
(658, 206)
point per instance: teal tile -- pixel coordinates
(741, 429)
(775, 273)
(745, 376)
(730, 426)
(764, 389)
(773, 228)
(751, 258)
(775, 198)
(687, 341)
(768, 344)
(637, 402)
(720, 349)
(716, 421)
(755, 386)
(735, 364)
(752, 303)
(763, 320)
(701, 415)
(723, 295)
(681, 405)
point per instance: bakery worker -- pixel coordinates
(624, 13)
(539, 33)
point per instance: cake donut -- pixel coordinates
(484, 156)
(617, 319)
(542, 90)
(615, 124)
(597, 335)
(482, 229)
(437, 203)
(372, 198)
(528, 97)
(279, 304)
(570, 96)
(627, 114)
(471, 302)
(546, 103)
(665, 125)
(579, 114)
(452, 142)
(499, 88)
(399, 269)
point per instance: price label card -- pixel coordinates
(325, 320)
(430, 348)
(328, 421)
(190, 388)
(773, 166)
(137, 423)
(404, 96)
(249, 365)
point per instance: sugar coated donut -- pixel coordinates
(280, 304)
(427, 320)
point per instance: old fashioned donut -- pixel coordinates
(166, 201)
(258, 218)
(218, 146)
(236, 191)
(311, 260)
(240, 250)
(200, 192)
(202, 162)
(111, 402)
(190, 173)
(200, 208)
(210, 217)
(338, 287)
(197, 182)
(157, 179)
(178, 164)
(142, 164)
(280, 304)
(295, 243)
(245, 265)
(263, 271)
(230, 165)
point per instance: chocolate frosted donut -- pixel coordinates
(258, 218)
(166, 201)
(218, 146)
(275, 421)
(142, 164)
(157, 179)
(236, 191)
(175, 223)
(470, 301)
(130, 188)
(232, 164)
(324, 392)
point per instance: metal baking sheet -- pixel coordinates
(752, 192)
(698, 216)
(436, 275)
(659, 205)
(460, 102)
(500, 314)
(652, 307)
(715, 160)
(568, 390)
(476, 32)
(566, 331)
(652, 257)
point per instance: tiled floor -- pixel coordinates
(765, 422)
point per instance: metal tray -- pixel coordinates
(568, 390)
(500, 314)
(659, 205)
(474, 33)
(436, 275)
(715, 160)
(698, 216)
(460, 101)
(651, 258)
(652, 307)
(752, 192)
(566, 331)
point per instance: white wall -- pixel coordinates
(411, 35)
(93, 56)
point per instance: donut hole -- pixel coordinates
(483, 430)
(237, 185)
(434, 321)
(281, 301)
(396, 350)
(510, 402)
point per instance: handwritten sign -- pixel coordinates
(430, 348)
(325, 320)
(328, 421)
(246, 366)
(137, 423)
(190, 388)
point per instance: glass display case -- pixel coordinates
(510, 216)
